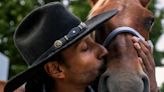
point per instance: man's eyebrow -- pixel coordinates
(78, 42)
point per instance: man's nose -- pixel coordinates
(102, 51)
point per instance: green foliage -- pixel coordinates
(162, 88)
(156, 32)
(80, 8)
(11, 13)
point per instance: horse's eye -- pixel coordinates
(148, 22)
(151, 20)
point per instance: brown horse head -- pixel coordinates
(132, 13)
(124, 72)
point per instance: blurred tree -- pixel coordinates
(162, 88)
(13, 11)
(80, 8)
(156, 32)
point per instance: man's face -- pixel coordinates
(84, 60)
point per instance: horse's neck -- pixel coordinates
(122, 47)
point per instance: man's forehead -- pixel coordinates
(83, 39)
(76, 44)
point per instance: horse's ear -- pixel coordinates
(92, 2)
(145, 3)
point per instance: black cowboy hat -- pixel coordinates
(46, 31)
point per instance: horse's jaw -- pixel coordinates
(124, 72)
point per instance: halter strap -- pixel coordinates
(120, 30)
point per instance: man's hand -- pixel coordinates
(145, 54)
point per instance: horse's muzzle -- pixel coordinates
(123, 81)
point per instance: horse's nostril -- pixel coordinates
(146, 84)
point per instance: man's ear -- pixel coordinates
(92, 2)
(54, 69)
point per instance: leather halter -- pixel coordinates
(120, 30)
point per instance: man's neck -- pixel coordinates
(68, 87)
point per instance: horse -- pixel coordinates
(3, 83)
(124, 72)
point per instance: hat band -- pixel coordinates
(73, 33)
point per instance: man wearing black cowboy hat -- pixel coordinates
(60, 53)
(62, 57)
